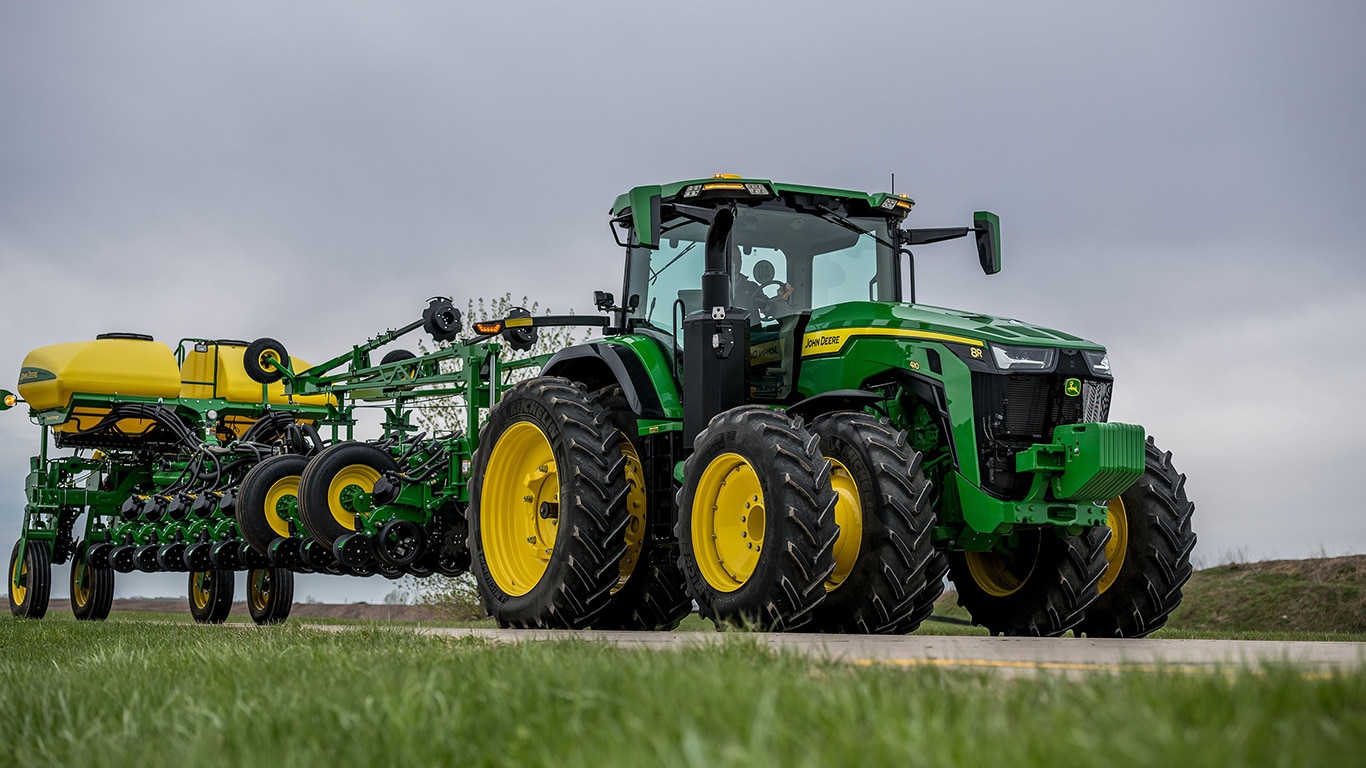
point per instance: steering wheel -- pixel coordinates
(764, 277)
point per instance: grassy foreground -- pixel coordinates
(149, 695)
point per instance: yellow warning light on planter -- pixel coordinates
(7, 400)
(488, 329)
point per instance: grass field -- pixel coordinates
(126, 693)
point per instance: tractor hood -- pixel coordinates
(833, 325)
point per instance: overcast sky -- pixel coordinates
(1180, 181)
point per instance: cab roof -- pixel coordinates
(745, 186)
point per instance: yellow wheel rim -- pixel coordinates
(18, 582)
(282, 495)
(261, 583)
(348, 494)
(268, 360)
(519, 508)
(997, 574)
(635, 506)
(728, 522)
(1117, 518)
(199, 589)
(849, 518)
(80, 584)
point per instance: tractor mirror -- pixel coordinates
(7, 400)
(645, 216)
(987, 225)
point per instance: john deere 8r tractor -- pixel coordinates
(772, 427)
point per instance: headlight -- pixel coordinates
(1024, 358)
(1099, 362)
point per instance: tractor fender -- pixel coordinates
(598, 365)
(835, 400)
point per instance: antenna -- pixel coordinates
(894, 182)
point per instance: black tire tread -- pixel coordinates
(220, 598)
(1140, 599)
(101, 590)
(1053, 599)
(313, 502)
(250, 509)
(899, 574)
(39, 587)
(577, 584)
(655, 597)
(782, 594)
(281, 599)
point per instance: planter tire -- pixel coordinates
(270, 594)
(266, 498)
(211, 595)
(337, 486)
(92, 589)
(30, 580)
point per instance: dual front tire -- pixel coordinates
(827, 527)
(756, 527)
(1119, 580)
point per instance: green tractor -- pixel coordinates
(771, 427)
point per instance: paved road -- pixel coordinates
(1010, 655)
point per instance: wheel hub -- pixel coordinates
(729, 522)
(349, 494)
(520, 508)
(849, 518)
(282, 499)
(1117, 520)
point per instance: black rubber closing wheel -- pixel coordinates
(651, 592)
(338, 486)
(1040, 588)
(261, 358)
(399, 543)
(92, 589)
(211, 596)
(1148, 555)
(887, 572)
(548, 507)
(30, 580)
(270, 594)
(756, 520)
(268, 499)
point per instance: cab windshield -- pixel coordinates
(782, 262)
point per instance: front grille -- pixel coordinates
(1015, 411)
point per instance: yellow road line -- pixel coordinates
(1070, 666)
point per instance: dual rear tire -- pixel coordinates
(549, 508)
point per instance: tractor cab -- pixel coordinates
(779, 262)
(725, 274)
